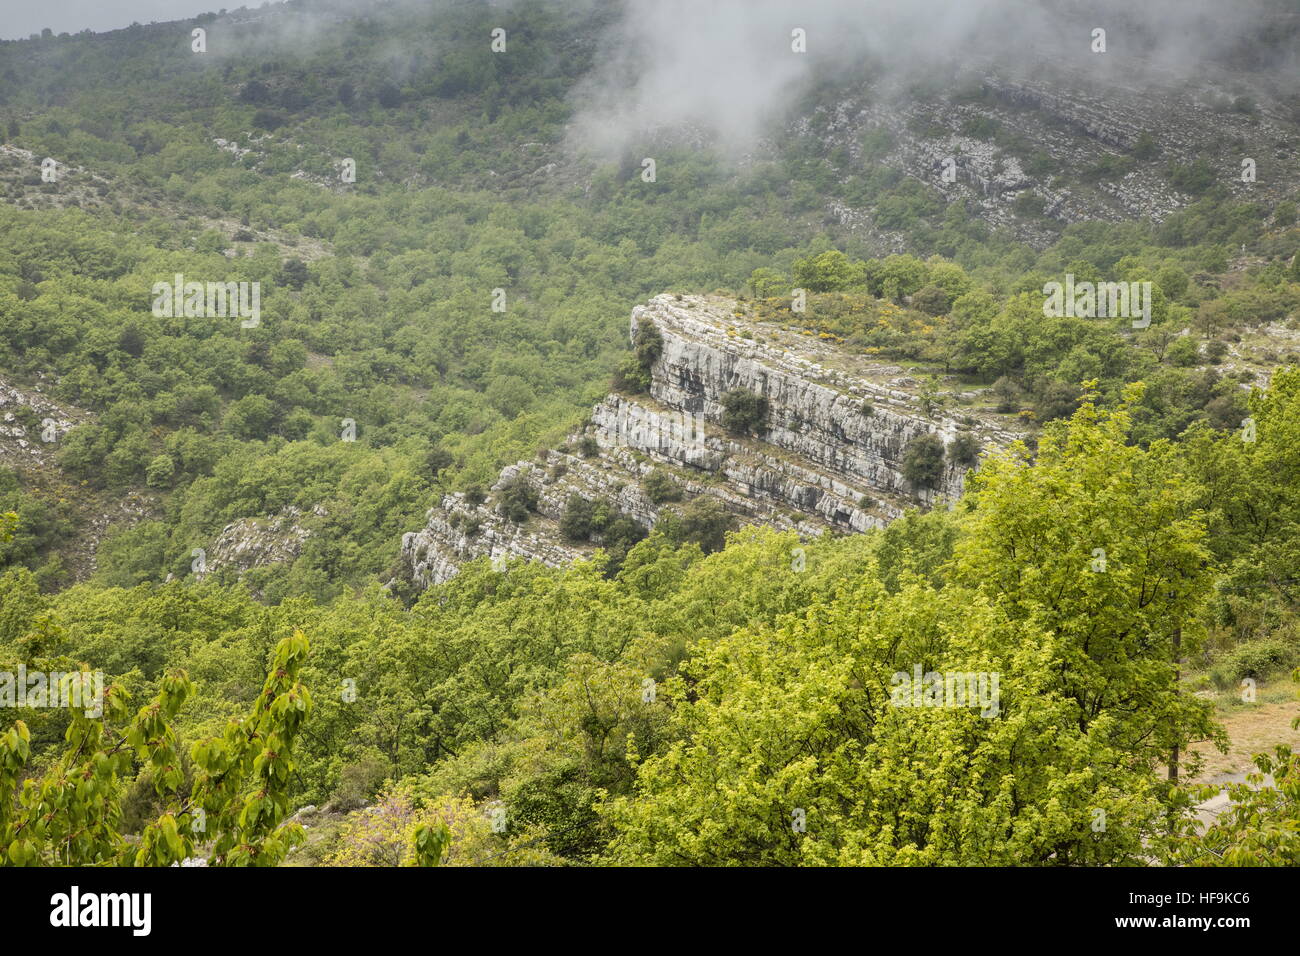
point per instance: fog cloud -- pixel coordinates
(729, 66)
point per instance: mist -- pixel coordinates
(728, 67)
(727, 70)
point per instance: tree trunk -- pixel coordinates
(1173, 759)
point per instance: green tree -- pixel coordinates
(922, 462)
(160, 472)
(743, 412)
(831, 271)
(661, 487)
(703, 521)
(766, 283)
(794, 745)
(71, 814)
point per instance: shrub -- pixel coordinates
(660, 487)
(1146, 147)
(620, 534)
(1008, 394)
(980, 127)
(633, 373)
(437, 459)
(1029, 205)
(1183, 353)
(1195, 178)
(831, 271)
(964, 450)
(1226, 411)
(1216, 351)
(1254, 659)
(1057, 400)
(294, 274)
(575, 523)
(767, 283)
(358, 782)
(743, 412)
(160, 472)
(703, 521)
(630, 377)
(649, 345)
(931, 300)
(923, 461)
(516, 500)
(586, 520)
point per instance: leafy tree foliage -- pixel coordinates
(804, 756)
(661, 487)
(236, 802)
(743, 412)
(922, 464)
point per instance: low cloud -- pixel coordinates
(728, 66)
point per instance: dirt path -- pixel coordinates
(1257, 728)
(1253, 729)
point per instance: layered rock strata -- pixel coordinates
(827, 457)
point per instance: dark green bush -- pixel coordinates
(964, 450)
(660, 487)
(575, 523)
(923, 461)
(703, 521)
(743, 412)
(517, 500)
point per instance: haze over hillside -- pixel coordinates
(75, 16)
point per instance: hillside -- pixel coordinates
(632, 403)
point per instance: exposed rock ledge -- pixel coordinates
(31, 425)
(254, 542)
(827, 459)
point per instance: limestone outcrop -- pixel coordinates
(826, 458)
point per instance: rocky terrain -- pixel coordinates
(254, 542)
(22, 186)
(826, 459)
(32, 424)
(1035, 151)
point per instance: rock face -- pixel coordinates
(1033, 149)
(253, 542)
(816, 413)
(31, 425)
(827, 457)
